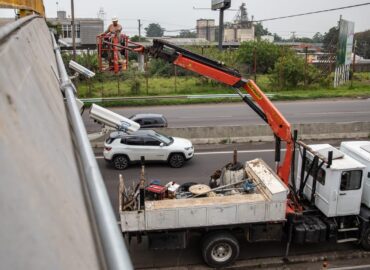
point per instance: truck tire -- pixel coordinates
(120, 162)
(220, 249)
(365, 240)
(176, 160)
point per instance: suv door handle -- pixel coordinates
(341, 194)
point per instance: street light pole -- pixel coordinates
(73, 30)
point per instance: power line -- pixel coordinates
(290, 16)
(263, 20)
(312, 12)
(229, 9)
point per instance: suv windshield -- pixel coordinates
(167, 140)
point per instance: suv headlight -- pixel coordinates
(188, 148)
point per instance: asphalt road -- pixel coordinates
(205, 162)
(228, 114)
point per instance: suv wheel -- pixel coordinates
(176, 160)
(120, 162)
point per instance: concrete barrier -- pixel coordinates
(263, 133)
(45, 221)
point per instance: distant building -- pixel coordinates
(238, 33)
(234, 33)
(206, 29)
(86, 28)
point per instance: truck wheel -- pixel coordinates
(120, 162)
(176, 160)
(365, 242)
(220, 249)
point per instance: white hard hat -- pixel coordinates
(115, 19)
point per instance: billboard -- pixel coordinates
(221, 4)
(345, 42)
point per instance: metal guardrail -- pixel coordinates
(115, 252)
(108, 99)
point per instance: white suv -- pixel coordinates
(122, 149)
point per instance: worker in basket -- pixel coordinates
(114, 30)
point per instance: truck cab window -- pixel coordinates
(320, 174)
(351, 180)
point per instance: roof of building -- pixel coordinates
(68, 20)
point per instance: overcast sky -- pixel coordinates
(179, 14)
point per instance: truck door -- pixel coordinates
(349, 196)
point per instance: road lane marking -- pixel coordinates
(226, 152)
(351, 267)
(239, 152)
(335, 113)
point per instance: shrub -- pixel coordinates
(289, 72)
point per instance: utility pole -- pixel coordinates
(139, 21)
(73, 30)
(353, 62)
(293, 36)
(221, 29)
(221, 5)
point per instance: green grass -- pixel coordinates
(163, 86)
(157, 86)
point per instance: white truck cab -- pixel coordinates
(338, 188)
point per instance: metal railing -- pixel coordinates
(210, 96)
(114, 248)
(8, 29)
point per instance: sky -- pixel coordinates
(180, 14)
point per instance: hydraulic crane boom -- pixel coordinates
(217, 71)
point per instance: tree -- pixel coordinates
(266, 54)
(154, 30)
(136, 39)
(318, 38)
(363, 43)
(330, 39)
(187, 34)
(304, 40)
(277, 38)
(290, 71)
(259, 30)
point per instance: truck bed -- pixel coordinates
(267, 203)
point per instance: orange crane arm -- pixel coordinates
(217, 71)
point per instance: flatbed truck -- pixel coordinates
(321, 202)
